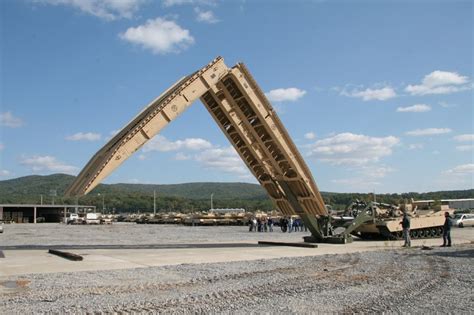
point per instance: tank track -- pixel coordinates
(385, 234)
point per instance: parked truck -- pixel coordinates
(93, 218)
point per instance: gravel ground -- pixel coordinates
(402, 280)
(391, 280)
(133, 234)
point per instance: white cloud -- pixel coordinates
(368, 94)
(105, 9)
(224, 160)
(417, 108)
(161, 144)
(428, 132)
(205, 16)
(447, 105)
(86, 136)
(463, 169)
(368, 177)
(209, 156)
(465, 148)
(285, 95)
(47, 163)
(4, 173)
(160, 35)
(7, 119)
(170, 3)
(415, 146)
(352, 149)
(464, 138)
(180, 156)
(310, 135)
(440, 82)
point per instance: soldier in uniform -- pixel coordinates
(406, 229)
(447, 230)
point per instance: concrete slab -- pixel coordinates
(25, 261)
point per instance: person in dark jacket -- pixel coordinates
(447, 230)
(406, 229)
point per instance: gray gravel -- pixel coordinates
(388, 281)
(133, 234)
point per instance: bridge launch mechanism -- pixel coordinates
(246, 117)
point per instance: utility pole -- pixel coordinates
(41, 200)
(154, 203)
(212, 205)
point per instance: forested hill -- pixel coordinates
(179, 197)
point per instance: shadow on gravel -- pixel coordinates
(142, 246)
(468, 253)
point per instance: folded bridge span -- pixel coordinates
(246, 117)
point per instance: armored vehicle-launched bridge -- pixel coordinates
(246, 117)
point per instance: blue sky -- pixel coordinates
(377, 95)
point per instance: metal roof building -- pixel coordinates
(35, 213)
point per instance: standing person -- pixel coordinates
(254, 224)
(406, 229)
(290, 224)
(270, 224)
(447, 230)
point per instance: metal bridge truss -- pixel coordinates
(246, 117)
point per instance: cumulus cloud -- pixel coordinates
(463, 169)
(440, 82)
(7, 119)
(352, 149)
(160, 35)
(223, 159)
(310, 135)
(209, 156)
(170, 3)
(465, 148)
(368, 177)
(415, 146)
(180, 156)
(381, 94)
(84, 136)
(285, 95)
(428, 132)
(108, 10)
(4, 173)
(39, 163)
(161, 144)
(417, 108)
(205, 16)
(464, 138)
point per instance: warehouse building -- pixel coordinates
(458, 204)
(34, 213)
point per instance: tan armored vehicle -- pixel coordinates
(386, 219)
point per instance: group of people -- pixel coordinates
(446, 230)
(263, 224)
(287, 224)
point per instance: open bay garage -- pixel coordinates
(33, 213)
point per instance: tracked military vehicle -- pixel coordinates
(383, 220)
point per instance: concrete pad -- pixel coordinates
(19, 262)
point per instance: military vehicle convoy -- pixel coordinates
(244, 114)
